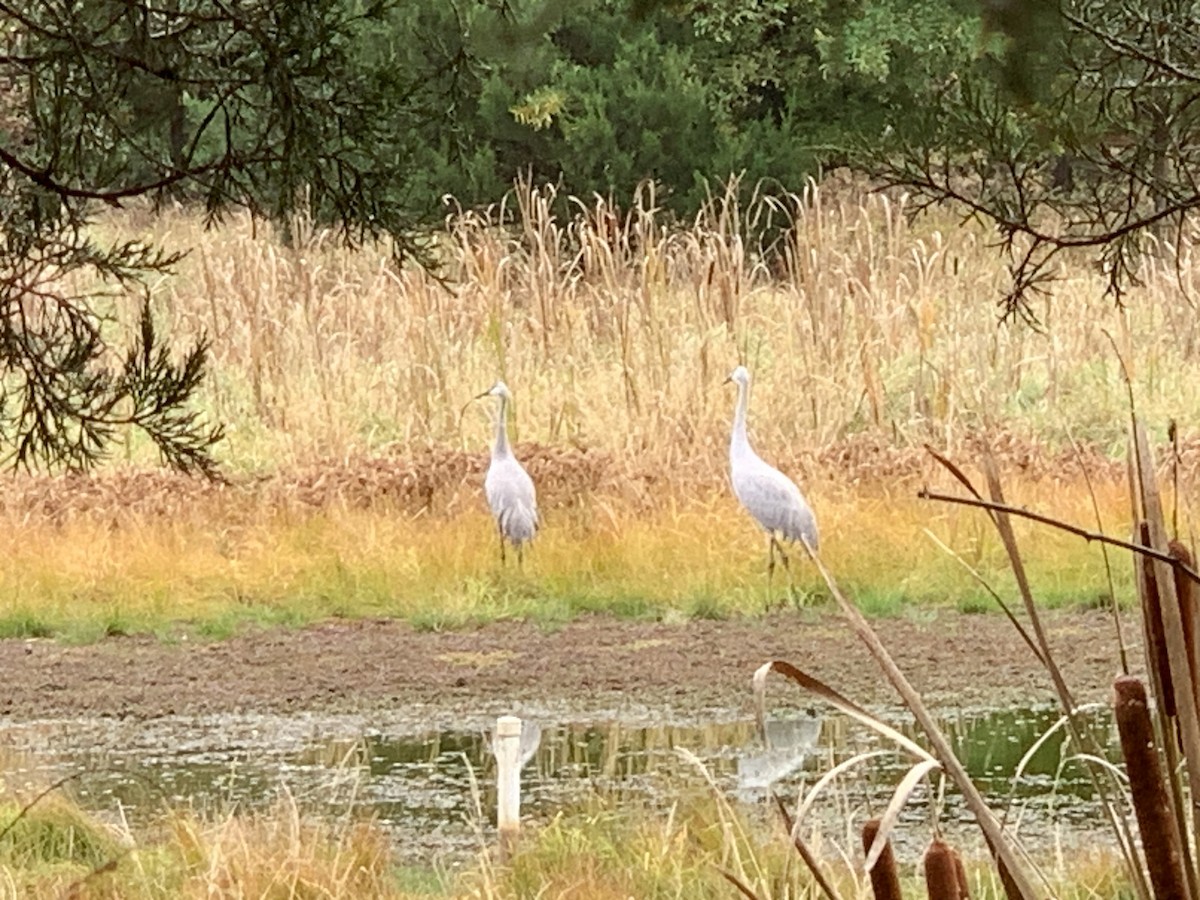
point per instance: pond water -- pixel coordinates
(431, 783)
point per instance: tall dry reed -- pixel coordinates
(615, 327)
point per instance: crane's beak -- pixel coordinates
(468, 403)
(728, 379)
(481, 396)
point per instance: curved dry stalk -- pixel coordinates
(1063, 722)
(891, 813)
(825, 692)
(1119, 777)
(810, 798)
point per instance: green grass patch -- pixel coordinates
(421, 881)
(709, 607)
(53, 838)
(85, 582)
(976, 604)
(21, 623)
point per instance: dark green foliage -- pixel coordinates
(367, 113)
(326, 106)
(1077, 130)
(266, 105)
(690, 93)
(587, 95)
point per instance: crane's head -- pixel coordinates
(739, 376)
(499, 389)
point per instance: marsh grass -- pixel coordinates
(617, 339)
(189, 574)
(278, 853)
(602, 849)
(356, 482)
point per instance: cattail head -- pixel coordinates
(885, 879)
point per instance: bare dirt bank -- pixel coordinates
(954, 659)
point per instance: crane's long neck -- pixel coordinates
(500, 447)
(739, 440)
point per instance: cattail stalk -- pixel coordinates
(885, 879)
(1157, 660)
(1160, 836)
(1185, 592)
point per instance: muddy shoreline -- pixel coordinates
(684, 668)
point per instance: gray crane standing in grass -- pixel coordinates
(767, 494)
(509, 489)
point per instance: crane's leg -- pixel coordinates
(770, 567)
(503, 560)
(776, 545)
(520, 557)
(782, 555)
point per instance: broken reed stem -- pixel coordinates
(1185, 595)
(1160, 835)
(941, 872)
(809, 859)
(885, 877)
(1191, 573)
(951, 765)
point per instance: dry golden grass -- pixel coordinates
(59, 851)
(279, 853)
(615, 334)
(356, 483)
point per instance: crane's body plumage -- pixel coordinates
(512, 498)
(772, 498)
(508, 487)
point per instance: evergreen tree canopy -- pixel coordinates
(1069, 125)
(1078, 130)
(259, 104)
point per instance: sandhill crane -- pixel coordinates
(509, 489)
(767, 494)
